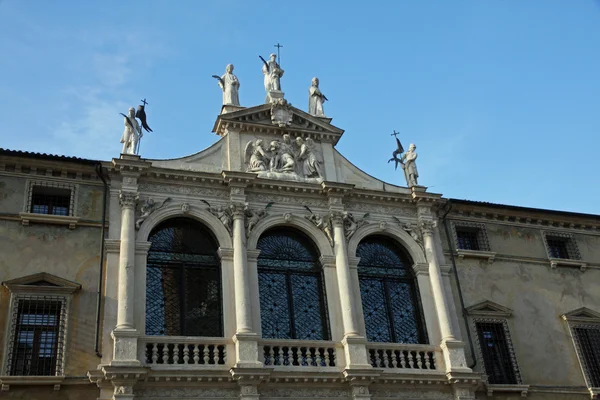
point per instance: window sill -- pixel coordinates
(490, 256)
(26, 218)
(7, 381)
(562, 262)
(523, 389)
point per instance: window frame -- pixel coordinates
(572, 249)
(490, 312)
(42, 285)
(28, 216)
(582, 318)
(483, 242)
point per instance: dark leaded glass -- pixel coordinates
(588, 343)
(467, 238)
(389, 293)
(495, 351)
(290, 280)
(183, 281)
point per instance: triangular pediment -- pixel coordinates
(42, 281)
(489, 308)
(266, 118)
(582, 314)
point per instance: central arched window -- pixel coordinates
(183, 281)
(389, 292)
(290, 280)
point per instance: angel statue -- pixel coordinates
(132, 133)
(311, 166)
(255, 156)
(148, 208)
(352, 224)
(224, 214)
(253, 217)
(282, 155)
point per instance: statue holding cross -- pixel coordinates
(273, 73)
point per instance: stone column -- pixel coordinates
(347, 299)
(437, 284)
(125, 334)
(243, 312)
(453, 349)
(128, 201)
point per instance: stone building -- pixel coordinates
(268, 266)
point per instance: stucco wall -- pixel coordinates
(70, 254)
(538, 295)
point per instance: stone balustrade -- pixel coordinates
(300, 353)
(405, 356)
(179, 351)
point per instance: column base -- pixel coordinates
(125, 348)
(454, 357)
(355, 350)
(247, 354)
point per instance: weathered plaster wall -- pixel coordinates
(70, 254)
(538, 295)
(12, 190)
(70, 392)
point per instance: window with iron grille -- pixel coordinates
(561, 245)
(497, 352)
(37, 335)
(183, 281)
(292, 294)
(49, 200)
(467, 238)
(470, 236)
(587, 342)
(389, 293)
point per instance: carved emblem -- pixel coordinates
(281, 113)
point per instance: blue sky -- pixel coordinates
(502, 97)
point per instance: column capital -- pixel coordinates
(142, 247)
(427, 226)
(238, 210)
(128, 199)
(225, 254)
(252, 254)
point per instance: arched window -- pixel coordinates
(389, 292)
(183, 281)
(290, 280)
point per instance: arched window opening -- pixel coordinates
(292, 293)
(389, 292)
(183, 281)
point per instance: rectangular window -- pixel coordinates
(557, 247)
(50, 200)
(467, 238)
(587, 339)
(496, 353)
(37, 336)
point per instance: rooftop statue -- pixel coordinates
(407, 161)
(273, 73)
(132, 133)
(316, 99)
(230, 86)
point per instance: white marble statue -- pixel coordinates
(409, 166)
(316, 99)
(255, 156)
(310, 164)
(273, 74)
(230, 85)
(132, 133)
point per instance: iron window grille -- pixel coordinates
(292, 294)
(587, 345)
(561, 245)
(497, 352)
(470, 236)
(183, 281)
(389, 293)
(50, 197)
(36, 343)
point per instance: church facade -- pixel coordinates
(268, 266)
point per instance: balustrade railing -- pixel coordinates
(162, 351)
(402, 356)
(291, 353)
